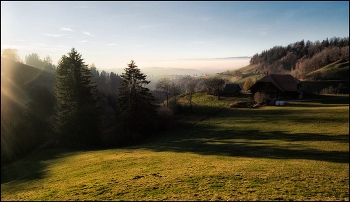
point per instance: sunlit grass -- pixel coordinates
(298, 151)
(335, 70)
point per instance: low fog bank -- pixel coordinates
(187, 66)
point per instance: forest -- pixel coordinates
(301, 58)
(75, 105)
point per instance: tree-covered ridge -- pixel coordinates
(301, 58)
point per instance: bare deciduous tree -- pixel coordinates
(190, 90)
(164, 85)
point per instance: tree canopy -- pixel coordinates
(217, 85)
(137, 111)
(77, 116)
(11, 54)
(164, 85)
(248, 83)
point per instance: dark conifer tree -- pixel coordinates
(77, 113)
(137, 111)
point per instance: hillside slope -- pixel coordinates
(330, 75)
(16, 81)
(338, 70)
(231, 154)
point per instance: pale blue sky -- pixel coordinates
(162, 34)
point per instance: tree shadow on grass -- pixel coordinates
(236, 143)
(32, 166)
(321, 101)
(207, 138)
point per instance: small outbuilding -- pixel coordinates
(231, 89)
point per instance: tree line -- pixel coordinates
(81, 107)
(301, 57)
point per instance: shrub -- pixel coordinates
(329, 90)
(260, 98)
(241, 104)
(165, 113)
(340, 89)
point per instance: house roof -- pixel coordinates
(284, 82)
(231, 88)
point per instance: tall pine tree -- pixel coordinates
(137, 111)
(77, 113)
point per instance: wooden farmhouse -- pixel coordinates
(278, 86)
(231, 89)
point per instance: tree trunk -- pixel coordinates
(167, 98)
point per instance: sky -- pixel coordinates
(179, 34)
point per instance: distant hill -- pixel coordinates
(307, 61)
(157, 71)
(338, 70)
(16, 80)
(154, 71)
(301, 58)
(15, 77)
(190, 66)
(330, 75)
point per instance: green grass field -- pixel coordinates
(299, 151)
(338, 70)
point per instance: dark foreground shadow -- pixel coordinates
(32, 166)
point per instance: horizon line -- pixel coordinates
(224, 58)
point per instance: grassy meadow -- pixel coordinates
(299, 151)
(338, 70)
